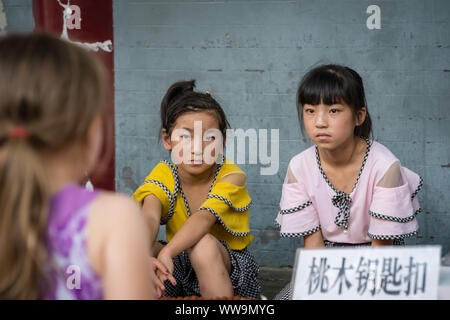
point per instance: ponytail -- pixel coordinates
(23, 216)
(174, 93)
(181, 98)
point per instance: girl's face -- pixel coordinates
(195, 141)
(329, 126)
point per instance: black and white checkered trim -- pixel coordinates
(237, 234)
(299, 234)
(295, 209)
(341, 199)
(178, 184)
(395, 219)
(392, 237)
(161, 185)
(228, 202)
(178, 188)
(419, 187)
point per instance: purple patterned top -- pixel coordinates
(73, 275)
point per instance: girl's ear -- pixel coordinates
(167, 142)
(95, 137)
(92, 147)
(361, 116)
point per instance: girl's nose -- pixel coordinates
(321, 119)
(197, 145)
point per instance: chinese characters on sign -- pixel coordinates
(392, 277)
(378, 273)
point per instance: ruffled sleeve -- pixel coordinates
(160, 183)
(297, 216)
(230, 205)
(393, 210)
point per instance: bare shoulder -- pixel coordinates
(113, 200)
(110, 207)
(114, 219)
(236, 178)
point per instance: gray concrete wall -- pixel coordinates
(251, 56)
(18, 14)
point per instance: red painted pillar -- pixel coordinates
(89, 22)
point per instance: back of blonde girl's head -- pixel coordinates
(52, 91)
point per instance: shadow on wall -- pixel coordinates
(127, 177)
(3, 20)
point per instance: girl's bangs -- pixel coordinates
(323, 87)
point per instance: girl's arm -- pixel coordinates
(314, 241)
(152, 210)
(380, 243)
(118, 248)
(391, 179)
(195, 228)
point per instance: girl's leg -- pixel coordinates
(212, 265)
(156, 248)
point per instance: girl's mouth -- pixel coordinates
(323, 136)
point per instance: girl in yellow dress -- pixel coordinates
(202, 199)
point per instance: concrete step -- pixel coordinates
(273, 279)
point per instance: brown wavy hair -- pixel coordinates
(53, 90)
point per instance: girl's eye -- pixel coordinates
(185, 136)
(335, 111)
(210, 138)
(309, 111)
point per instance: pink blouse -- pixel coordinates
(370, 211)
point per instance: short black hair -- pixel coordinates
(332, 84)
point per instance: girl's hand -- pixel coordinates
(157, 267)
(165, 259)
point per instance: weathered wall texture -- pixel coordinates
(18, 14)
(251, 55)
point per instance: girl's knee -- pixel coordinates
(206, 252)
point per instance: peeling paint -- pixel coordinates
(3, 20)
(269, 234)
(127, 176)
(67, 13)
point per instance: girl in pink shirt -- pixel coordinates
(346, 190)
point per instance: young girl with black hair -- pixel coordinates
(346, 190)
(202, 199)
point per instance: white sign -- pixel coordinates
(410, 272)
